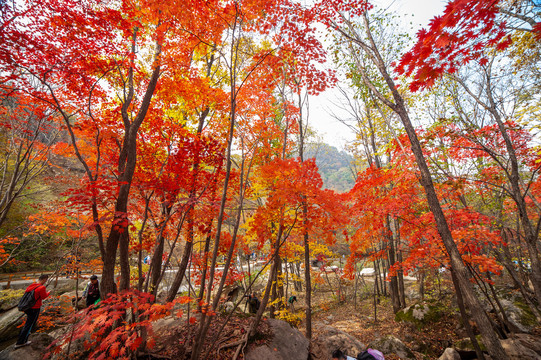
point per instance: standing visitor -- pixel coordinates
(32, 313)
(92, 291)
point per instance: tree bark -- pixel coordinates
(461, 272)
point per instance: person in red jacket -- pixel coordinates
(32, 314)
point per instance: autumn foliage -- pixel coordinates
(179, 136)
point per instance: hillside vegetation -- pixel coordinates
(334, 166)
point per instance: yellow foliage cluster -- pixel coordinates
(294, 319)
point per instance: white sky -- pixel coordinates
(331, 130)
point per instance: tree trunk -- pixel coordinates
(395, 298)
(124, 251)
(464, 315)
(268, 288)
(308, 287)
(463, 278)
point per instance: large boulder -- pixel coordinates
(517, 310)
(530, 341)
(412, 293)
(420, 314)
(330, 339)
(523, 346)
(286, 341)
(519, 314)
(516, 350)
(34, 351)
(9, 299)
(392, 345)
(450, 354)
(9, 321)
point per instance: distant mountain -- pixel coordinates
(334, 166)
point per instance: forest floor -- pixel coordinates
(359, 321)
(367, 324)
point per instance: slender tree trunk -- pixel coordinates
(156, 263)
(401, 290)
(124, 251)
(187, 253)
(126, 168)
(462, 274)
(395, 298)
(204, 272)
(464, 315)
(268, 288)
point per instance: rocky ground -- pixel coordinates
(428, 329)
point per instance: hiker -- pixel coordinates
(339, 355)
(32, 314)
(92, 291)
(146, 260)
(370, 354)
(291, 302)
(253, 303)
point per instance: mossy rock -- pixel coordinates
(527, 317)
(392, 345)
(421, 314)
(466, 344)
(9, 298)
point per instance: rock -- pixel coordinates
(163, 325)
(523, 346)
(286, 341)
(9, 321)
(530, 341)
(519, 314)
(516, 350)
(465, 344)
(392, 345)
(34, 351)
(9, 299)
(229, 306)
(57, 306)
(420, 314)
(412, 294)
(331, 339)
(450, 354)
(70, 298)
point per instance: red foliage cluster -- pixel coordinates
(455, 38)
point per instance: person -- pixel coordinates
(70, 268)
(92, 291)
(32, 314)
(370, 354)
(253, 303)
(291, 301)
(339, 355)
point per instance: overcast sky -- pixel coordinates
(331, 130)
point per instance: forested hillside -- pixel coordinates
(334, 166)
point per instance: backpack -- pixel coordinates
(370, 354)
(27, 301)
